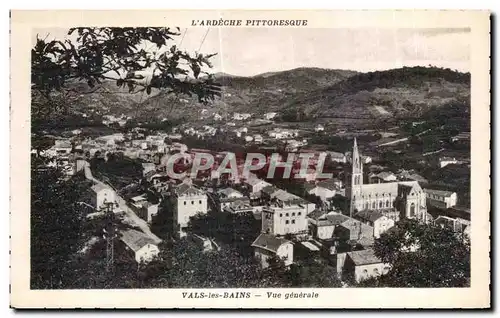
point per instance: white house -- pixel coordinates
(270, 115)
(383, 176)
(444, 161)
(104, 194)
(187, 202)
(256, 184)
(248, 138)
(147, 167)
(267, 246)
(324, 190)
(241, 116)
(361, 265)
(229, 193)
(441, 199)
(319, 128)
(284, 218)
(258, 138)
(337, 157)
(375, 219)
(142, 246)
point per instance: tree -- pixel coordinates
(424, 255)
(56, 227)
(139, 59)
(312, 273)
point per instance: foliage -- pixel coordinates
(183, 265)
(98, 54)
(313, 273)
(423, 255)
(238, 230)
(118, 169)
(56, 226)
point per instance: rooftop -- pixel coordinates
(439, 192)
(135, 240)
(364, 257)
(269, 242)
(368, 215)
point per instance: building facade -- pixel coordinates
(405, 197)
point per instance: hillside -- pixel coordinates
(399, 93)
(320, 95)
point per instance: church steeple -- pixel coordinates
(355, 181)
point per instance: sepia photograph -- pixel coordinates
(223, 156)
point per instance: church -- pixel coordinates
(396, 200)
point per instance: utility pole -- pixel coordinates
(109, 233)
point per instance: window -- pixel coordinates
(286, 222)
(287, 214)
(192, 202)
(375, 271)
(293, 214)
(293, 221)
(281, 214)
(380, 204)
(299, 213)
(185, 202)
(373, 205)
(365, 271)
(412, 210)
(200, 201)
(387, 203)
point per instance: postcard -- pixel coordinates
(250, 159)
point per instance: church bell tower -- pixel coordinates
(354, 178)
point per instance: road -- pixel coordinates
(130, 216)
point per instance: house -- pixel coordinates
(229, 193)
(248, 138)
(324, 226)
(281, 218)
(239, 207)
(375, 219)
(62, 147)
(441, 199)
(444, 161)
(361, 265)
(226, 202)
(270, 115)
(217, 117)
(267, 246)
(258, 139)
(463, 137)
(241, 116)
(355, 231)
(103, 194)
(384, 176)
(255, 184)
(366, 159)
(148, 211)
(147, 167)
(187, 201)
(319, 128)
(325, 190)
(337, 157)
(458, 225)
(143, 248)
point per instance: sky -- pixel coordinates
(252, 51)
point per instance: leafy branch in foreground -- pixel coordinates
(121, 55)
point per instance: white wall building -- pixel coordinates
(141, 246)
(267, 246)
(187, 202)
(441, 199)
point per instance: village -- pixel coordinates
(334, 220)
